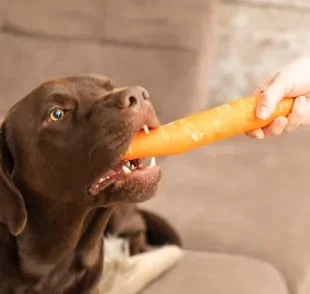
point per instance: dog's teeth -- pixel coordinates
(146, 129)
(126, 169)
(153, 162)
(127, 164)
(132, 167)
(101, 180)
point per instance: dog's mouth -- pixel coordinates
(124, 170)
(141, 173)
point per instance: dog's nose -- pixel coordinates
(132, 97)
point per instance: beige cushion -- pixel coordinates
(201, 273)
(247, 197)
(36, 60)
(152, 23)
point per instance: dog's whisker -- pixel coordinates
(57, 203)
(91, 151)
(57, 212)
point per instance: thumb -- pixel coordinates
(275, 92)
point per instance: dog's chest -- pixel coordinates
(64, 276)
(35, 267)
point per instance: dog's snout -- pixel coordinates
(132, 97)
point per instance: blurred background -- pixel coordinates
(257, 37)
(246, 201)
(203, 51)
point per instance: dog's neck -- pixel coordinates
(61, 227)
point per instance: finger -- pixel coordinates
(272, 96)
(306, 116)
(276, 127)
(298, 116)
(262, 88)
(300, 106)
(293, 122)
(251, 134)
(256, 134)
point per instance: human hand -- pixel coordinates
(291, 81)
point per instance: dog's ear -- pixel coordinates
(12, 206)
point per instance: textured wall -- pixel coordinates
(255, 40)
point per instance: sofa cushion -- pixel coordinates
(202, 273)
(71, 18)
(3, 11)
(30, 61)
(161, 23)
(151, 43)
(170, 24)
(244, 196)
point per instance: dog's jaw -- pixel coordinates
(126, 175)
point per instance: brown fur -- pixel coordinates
(51, 225)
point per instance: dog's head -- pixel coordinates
(64, 142)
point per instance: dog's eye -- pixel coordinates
(56, 114)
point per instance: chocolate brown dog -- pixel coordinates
(62, 178)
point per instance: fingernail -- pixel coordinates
(262, 112)
(302, 100)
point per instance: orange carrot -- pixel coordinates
(208, 126)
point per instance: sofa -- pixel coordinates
(241, 206)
